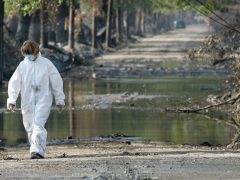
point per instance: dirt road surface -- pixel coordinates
(155, 56)
(172, 45)
(134, 160)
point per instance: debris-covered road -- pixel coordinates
(122, 160)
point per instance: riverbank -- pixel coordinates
(122, 160)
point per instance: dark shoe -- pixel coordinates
(35, 155)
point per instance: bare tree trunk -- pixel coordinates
(108, 24)
(154, 23)
(138, 20)
(118, 21)
(159, 21)
(94, 30)
(52, 33)
(168, 22)
(11, 24)
(1, 39)
(142, 27)
(23, 28)
(127, 24)
(61, 33)
(71, 25)
(44, 25)
(34, 29)
(121, 18)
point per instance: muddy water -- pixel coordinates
(138, 118)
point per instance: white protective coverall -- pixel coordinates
(37, 81)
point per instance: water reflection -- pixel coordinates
(149, 124)
(182, 129)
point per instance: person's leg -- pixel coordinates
(39, 133)
(32, 130)
(28, 119)
(39, 138)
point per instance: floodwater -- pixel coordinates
(139, 118)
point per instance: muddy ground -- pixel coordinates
(114, 158)
(123, 159)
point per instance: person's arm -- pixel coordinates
(56, 84)
(14, 87)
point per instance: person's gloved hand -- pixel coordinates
(11, 107)
(60, 108)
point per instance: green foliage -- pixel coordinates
(92, 4)
(164, 6)
(205, 6)
(133, 5)
(24, 6)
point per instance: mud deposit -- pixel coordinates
(122, 160)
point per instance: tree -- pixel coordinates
(94, 29)
(34, 31)
(27, 8)
(118, 20)
(24, 9)
(96, 7)
(23, 28)
(135, 11)
(1, 39)
(44, 24)
(62, 13)
(108, 24)
(71, 25)
(126, 20)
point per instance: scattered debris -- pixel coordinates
(107, 100)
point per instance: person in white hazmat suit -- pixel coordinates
(38, 80)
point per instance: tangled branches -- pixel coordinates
(223, 49)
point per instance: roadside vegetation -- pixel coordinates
(221, 48)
